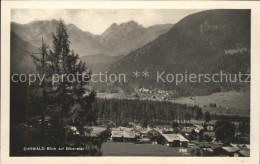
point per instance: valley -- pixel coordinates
(138, 116)
(227, 103)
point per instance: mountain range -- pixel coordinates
(205, 42)
(116, 40)
(126, 37)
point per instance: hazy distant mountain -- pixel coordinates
(82, 42)
(34, 31)
(126, 37)
(204, 42)
(116, 40)
(100, 63)
(21, 61)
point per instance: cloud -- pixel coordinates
(97, 21)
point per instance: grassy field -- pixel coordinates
(228, 103)
(131, 149)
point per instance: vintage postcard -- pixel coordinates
(162, 81)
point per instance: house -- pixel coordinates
(172, 140)
(164, 129)
(95, 131)
(92, 132)
(159, 130)
(129, 136)
(210, 149)
(210, 127)
(244, 150)
(143, 140)
(143, 90)
(148, 132)
(137, 133)
(208, 136)
(125, 134)
(117, 136)
(243, 138)
(121, 128)
(199, 130)
(207, 151)
(244, 153)
(138, 128)
(241, 146)
(188, 132)
(229, 151)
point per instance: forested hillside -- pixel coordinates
(205, 42)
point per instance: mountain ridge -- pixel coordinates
(196, 44)
(86, 43)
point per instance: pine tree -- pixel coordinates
(43, 70)
(71, 98)
(207, 117)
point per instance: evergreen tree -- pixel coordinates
(207, 117)
(75, 101)
(67, 100)
(224, 131)
(43, 70)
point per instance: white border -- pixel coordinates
(5, 76)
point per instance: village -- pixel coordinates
(190, 140)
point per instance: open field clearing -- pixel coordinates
(227, 103)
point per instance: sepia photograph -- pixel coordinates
(112, 83)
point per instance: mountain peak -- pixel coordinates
(123, 27)
(131, 25)
(41, 22)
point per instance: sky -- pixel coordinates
(97, 21)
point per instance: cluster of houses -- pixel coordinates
(232, 150)
(192, 137)
(186, 137)
(156, 94)
(157, 135)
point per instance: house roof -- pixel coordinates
(241, 146)
(121, 128)
(208, 149)
(187, 129)
(198, 130)
(210, 145)
(97, 130)
(230, 149)
(215, 146)
(158, 130)
(93, 131)
(117, 133)
(138, 127)
(199, 126)
(174, 137)
(128, 134)
(245, 153)
(123, 133)
(146, 130)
